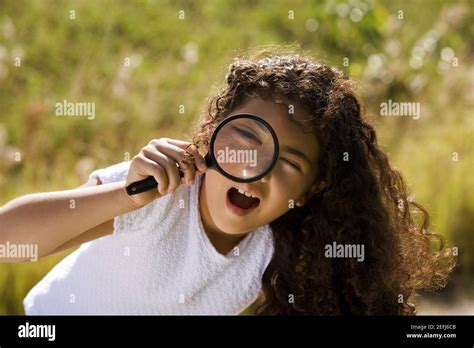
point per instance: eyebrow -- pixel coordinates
(261, 126)
(296, 153)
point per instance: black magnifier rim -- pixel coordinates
(275, 143)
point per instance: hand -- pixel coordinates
(159, 159)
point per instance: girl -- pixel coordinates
(182, 249)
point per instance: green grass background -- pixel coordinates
(183, 61)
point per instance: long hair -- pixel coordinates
(365, 200)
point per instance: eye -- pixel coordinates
(297, 167)
(247, 135)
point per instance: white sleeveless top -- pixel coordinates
(159, 260)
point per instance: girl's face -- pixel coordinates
(289, 184)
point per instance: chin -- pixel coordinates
(232, 228)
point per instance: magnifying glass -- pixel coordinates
(243, 148)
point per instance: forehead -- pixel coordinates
(289, 133)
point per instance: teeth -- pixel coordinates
(248, 194)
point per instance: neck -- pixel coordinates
(223, 242)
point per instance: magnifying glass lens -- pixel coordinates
(244, 148)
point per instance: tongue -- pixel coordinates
(242, 201)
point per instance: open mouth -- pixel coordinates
(239, 203)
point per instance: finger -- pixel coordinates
(199, 160)
(181, 143)
(178, 155)
(167, 163)
(149, 167)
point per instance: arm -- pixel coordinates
(54, 222)
(94, 233)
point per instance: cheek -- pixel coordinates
(215, 184)
(216, 190)
(280, 197)
(285, 186)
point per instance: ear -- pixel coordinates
(314, 189)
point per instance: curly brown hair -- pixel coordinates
(364, 202)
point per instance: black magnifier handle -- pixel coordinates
(145, 184)
(150, 183)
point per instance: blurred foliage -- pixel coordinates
(417, 51)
